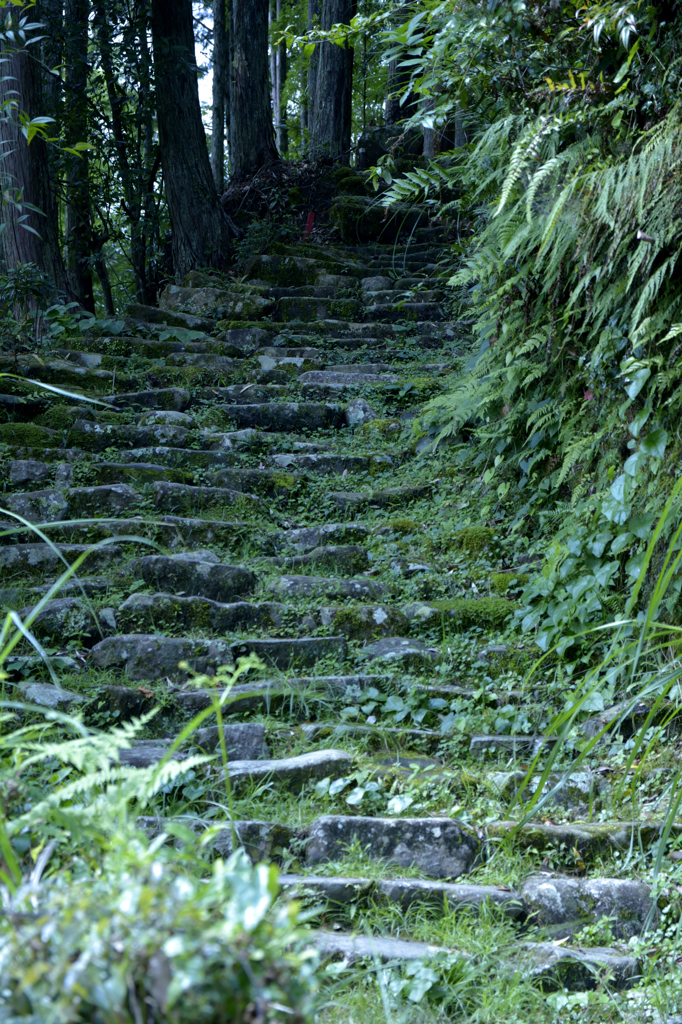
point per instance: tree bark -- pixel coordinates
(221, 70)
(252, 137)
(332, 118)
(398, 79)
(314, 13)
(77, 222)
(200, 229)
(25, 171)
(282, 134)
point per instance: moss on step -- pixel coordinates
(28, 435)
(474, 539)
(59, 417)
(485, 611)
(381, 426)
(501, 581)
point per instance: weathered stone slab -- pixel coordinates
(214, 302)
(590, 838)
(262, 840)
(400, 650)
(338, 379)
(245, 741)
(390, 496)
(28, 471)
(327, 586)
(155, 611)
(294, 772)
(195, 574)
(66, 617)
(352, 948)
(171, 497)
(455, 896)
(346, 558)
(152, 315)
(563, 905)
(286, 416)
(49, 696)
(527, 745)
(165, 399)
(39, 558)
(359, 412)
(259, 481)
(305, 538)
(288, 653)
(575, 969)
(440, 847)
(330, 465)
(155, 657)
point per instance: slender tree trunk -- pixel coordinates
(431, 146)
(252, 137)
(25, 171)
(221, 57)
(332, 118)
(200, 229)
(78, 227)
(281, 108)
(150, 162)
(398, 79)
(314, 12)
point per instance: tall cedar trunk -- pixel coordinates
(431, 145)
(314, 12)
(398, 79)
(332, 118)
(200, 230)
(252, 136)
(150, 162)
(282, 134)
(78, 228)
(25, 171)
(221, 70)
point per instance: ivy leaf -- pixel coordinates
(355, 796)
(398, 804)
(641, 525)
(654, 443)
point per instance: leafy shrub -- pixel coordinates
(139, 938)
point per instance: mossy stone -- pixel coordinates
(501, 581)
(485, 611)
(474, 539)
(28, 435)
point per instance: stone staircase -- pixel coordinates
(261, 444)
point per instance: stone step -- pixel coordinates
(73, 502)
(289, 653)
(351, 949)
(151, 657)
(171, 497)
(305, 538)
(345, 558)
(270, 482)
(178, 458)
(438, 847)
(292, 772)
(194, 574)
(171, 612)
(329, 465)
(38, 558)
(326, 586)
(404, 892)
(287, 416)
(386, 498)
(96, 437)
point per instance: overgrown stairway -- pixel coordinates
(263, 443)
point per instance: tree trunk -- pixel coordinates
(200, 229)
(314, 12)
(252, 137)
(25, 172)
(332, 118)
(398, 79)
(77, 223)
(221, 58)
(282, 134)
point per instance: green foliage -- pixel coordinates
(139, 932)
